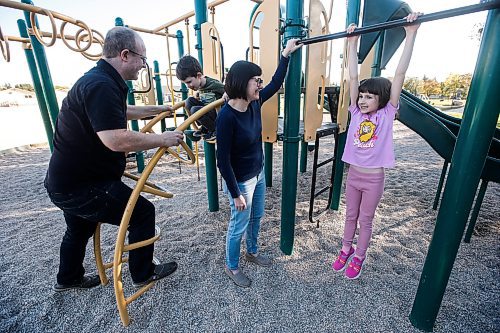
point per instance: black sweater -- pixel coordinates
(239, 136)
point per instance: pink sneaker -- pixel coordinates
(339, 264)
(355, 267)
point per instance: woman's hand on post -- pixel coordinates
(291, 46)
(350, 29)
(172, 138)
(411, 18)
(240, 203)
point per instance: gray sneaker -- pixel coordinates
(259, 259)
(240, 279)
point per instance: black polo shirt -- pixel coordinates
(97, 102)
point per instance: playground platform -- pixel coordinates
(299, 293)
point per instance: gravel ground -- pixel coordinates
(299, 293)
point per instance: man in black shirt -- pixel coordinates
(90, 143)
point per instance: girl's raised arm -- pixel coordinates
(352, 63)
(404, 62)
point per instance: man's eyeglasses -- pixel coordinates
(143, 58)
(259, 81)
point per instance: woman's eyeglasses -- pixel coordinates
(259, 81)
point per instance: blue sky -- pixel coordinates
(442, 47)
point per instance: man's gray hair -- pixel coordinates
(118, 39)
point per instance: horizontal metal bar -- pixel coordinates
(331, 159)
(321, 191)
(402, 22)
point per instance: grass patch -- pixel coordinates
(460, 114)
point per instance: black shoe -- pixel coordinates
(209, 136)
(86, 282)
(197, 134)
(161, 271)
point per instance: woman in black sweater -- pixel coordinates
(240, 157)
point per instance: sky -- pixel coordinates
(442, 47)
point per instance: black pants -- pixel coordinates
(103, 202)
(207, 120)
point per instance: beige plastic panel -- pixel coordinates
(344, 93)
(267, 58)
(318, 58)
(212, 58)
(365, 72)
(149, 98)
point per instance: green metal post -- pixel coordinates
(304, 145)
(268, 163)
(200, 9)
(184, 90)
(338, 177)
(159, 90)
(353, 9)
(473, 141)
(294, 28)
(43, 67)
(139, 155)
(303, 156)
(475, 211)
(49, 130)
(180, 47)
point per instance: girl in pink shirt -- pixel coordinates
(369, 148)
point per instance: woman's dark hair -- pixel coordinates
(238, 76)
(379, 86)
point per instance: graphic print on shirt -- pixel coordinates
(365, 135)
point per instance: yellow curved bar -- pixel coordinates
(101, 268)
(4, 46)
(150, 187)
(36, 32)
(195, 116)
(143, 243)
(149, 126)
(98, 37)
(157, 192)
(186, 22)
(81, 25)
(121, 301)
(252, 25)
(191, 158)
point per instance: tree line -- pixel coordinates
(456, 86)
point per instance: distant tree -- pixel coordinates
(457, 83)
(24, 86)
(413, 85)
(5, 86)
(430, 86)
(477, 31)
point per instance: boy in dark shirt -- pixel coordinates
(209, 90)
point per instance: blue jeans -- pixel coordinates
(254, 192)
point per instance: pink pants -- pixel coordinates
(363, 193)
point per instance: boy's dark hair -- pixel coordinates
(186, 67)
(379, 86)
(238, 76)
